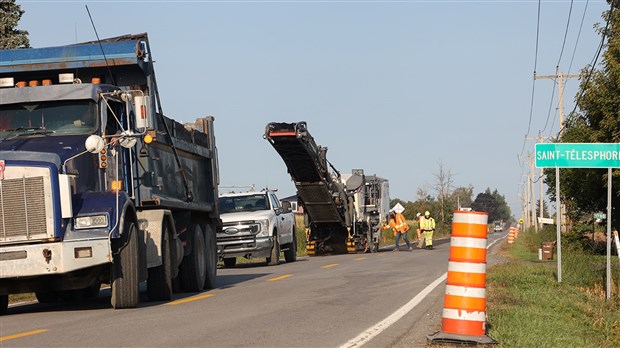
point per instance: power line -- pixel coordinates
(529, 124)
(585, 9)
(595, 60)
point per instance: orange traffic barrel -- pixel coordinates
(464, 310)
(511, 235)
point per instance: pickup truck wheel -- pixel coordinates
(159, 281)
(230, 262)
(274, 259)
(290, 254)
(194, 266)
(4, 304)
(125, 278)
(211, 256)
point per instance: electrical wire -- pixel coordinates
(585, 9)
(557, 66)
(593, 64)
(529, 124)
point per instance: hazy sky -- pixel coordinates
(393, 87)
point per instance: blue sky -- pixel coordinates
(393, 87)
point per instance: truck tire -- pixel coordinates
(159, 279)
(194, 266)
(230, 262)
(125, 278)
(4, 304)
(274, 259)
(211, 255)
(290, 255)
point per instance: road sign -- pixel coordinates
(600, 216)
(398, 208)
(578, 155)
(546, 221)
(521, 221)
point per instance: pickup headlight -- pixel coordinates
(91, 221)
(264, 228)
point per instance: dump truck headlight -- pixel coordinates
(91, 221)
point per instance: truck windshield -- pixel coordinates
(48, 118)
(234, 204)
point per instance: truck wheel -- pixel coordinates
(125, 278)
(230, 262)
(275, 252)
(194, 265)
(4, 304)
(47, 296)
(159, 281)
(290, 255)
(211, 256)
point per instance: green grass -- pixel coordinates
(527, 307)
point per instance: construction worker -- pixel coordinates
(427, 225)
(418, 216)
(397, 223)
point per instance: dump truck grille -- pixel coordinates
(24, 208)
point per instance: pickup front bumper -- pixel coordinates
(245, 246)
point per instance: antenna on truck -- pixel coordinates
(101, 46)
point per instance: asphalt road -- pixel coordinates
(326, 301)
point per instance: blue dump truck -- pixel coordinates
(97, 185)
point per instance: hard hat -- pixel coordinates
(417, 215)
(427, 213)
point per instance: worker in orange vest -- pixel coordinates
(397, 223)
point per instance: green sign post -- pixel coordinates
(580, 155)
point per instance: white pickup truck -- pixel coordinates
(255, 225)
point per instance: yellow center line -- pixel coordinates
(278, 278)
(382, 254)
(23, 334)
(331, 265)
(195, 298)
(360, 259)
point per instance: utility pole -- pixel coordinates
(533, 195)
(539, 139)
(561, 210)
(560, 79)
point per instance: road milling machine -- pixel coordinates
(342, 212)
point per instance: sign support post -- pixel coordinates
(580, 155)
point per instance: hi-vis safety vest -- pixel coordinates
(399, 224)
(427, 224)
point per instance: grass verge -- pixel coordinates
(527, 307)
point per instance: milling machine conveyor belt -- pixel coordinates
(307, 166)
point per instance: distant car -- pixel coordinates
(499, 226)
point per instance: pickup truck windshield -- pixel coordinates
(48, 118)
(234, 204)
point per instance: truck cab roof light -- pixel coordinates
(95, 80)
(33, 83)
(20, 84)
(65, 78)
(46, 82)
(7, 82)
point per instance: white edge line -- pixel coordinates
(379, 327)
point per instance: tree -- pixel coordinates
(443, 186)
(584, 190)
(485, 202)
(462, 196)
(10, 37)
